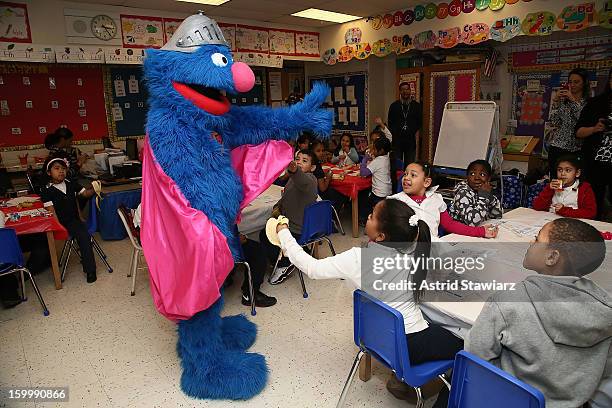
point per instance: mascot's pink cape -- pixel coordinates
(187, 255)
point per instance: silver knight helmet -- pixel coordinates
(195, 31)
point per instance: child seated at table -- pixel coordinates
(553, 330)
(324, 178)
(473, 201)
(300, 192)
(60, 196)
(377, 165)
(393, 230)
(346, 154)
(567, 195)
(303, 142)
(422, 198)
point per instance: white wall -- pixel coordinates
(47, 18)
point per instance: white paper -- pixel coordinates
(342, 115)
(16, 131)
(82, 113)
(350, 93)
(4, 104)
(117, 114)
(42, 129)
(119, 88)
(29, 105)
(52, 83)
(79, 82)
(276, 89)
(127, 105)
(5, 112)
(533, 85)
(354, 114)
(2, 81)
(81, 103)
(133, 86)
(26, 80)
(85, 127)
(339, 95)
(54, 104)
(244, 100)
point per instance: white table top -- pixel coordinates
(464, 314)
(254, 217)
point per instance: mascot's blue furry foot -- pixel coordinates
(238, 332)
(224, 375)
(211, 369)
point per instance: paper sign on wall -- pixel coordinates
(339, 95)
(117, 114)
(354, 114)
(342, 118)
(133, 86)
(350, 93)
(119, 88)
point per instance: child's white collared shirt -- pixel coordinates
(568, 196)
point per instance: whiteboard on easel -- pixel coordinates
(467, 131)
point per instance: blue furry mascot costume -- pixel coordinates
(204, 160)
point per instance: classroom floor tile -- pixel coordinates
(115, 350)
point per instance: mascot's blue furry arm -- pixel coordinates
(256, 124)
(191, 129)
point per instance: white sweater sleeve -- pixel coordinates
(387, 133)
(344, 265)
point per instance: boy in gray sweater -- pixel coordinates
(555, 330)
(300, 191)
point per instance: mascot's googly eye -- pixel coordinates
(219, 59)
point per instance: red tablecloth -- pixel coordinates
(350, 186)
(34, 225)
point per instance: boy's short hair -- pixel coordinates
(51, 140)
(483, 163)
(404, 83)
(63, 133)
(582, 245)
(572, 159)
(311, 154)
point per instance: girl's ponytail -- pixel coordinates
(422, 250)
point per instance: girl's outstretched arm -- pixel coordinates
(345, 265)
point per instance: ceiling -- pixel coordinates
(272, 11)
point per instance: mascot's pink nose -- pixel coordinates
(243, 76)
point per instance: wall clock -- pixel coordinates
(103, 27)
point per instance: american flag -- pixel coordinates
(491, 62)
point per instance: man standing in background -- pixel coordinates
(405, 120)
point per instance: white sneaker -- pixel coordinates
(280, 274)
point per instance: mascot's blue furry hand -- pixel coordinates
(320, 119)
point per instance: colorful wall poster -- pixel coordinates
(229, 33)
(307, 44)
(576, 18)
(142, 31)
(170, 26)
(282, 42)
(252, 39)
(505, 29)
(14, 23)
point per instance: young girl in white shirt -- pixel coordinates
(393, 229)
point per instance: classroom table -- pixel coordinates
(28, 224)
(348, 182)
(109, 223)
(462, 315)
(254, 216)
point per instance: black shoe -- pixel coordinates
(92, 277)
(261, 300)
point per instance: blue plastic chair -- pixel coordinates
(11, 261)
(479, 384)
(71, 244)
(318, 226)
(380, 332)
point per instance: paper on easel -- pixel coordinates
(354, 114)
(350, 93)
(533, 85)
(339, 94)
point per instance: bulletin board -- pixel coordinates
(128, 101)
(35, 99)
(257, 95)
(348, 100)
(532, 101)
